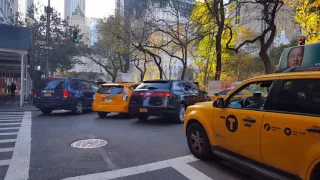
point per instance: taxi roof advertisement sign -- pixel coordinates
(306, 55)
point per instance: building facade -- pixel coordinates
(165, 10)
(71, 5)
(83, 23)
(249, 16)
(6, 11)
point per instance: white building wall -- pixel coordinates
(6, 10)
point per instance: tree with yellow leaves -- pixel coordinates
(308, 16)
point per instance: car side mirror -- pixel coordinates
(218, 103)
(216, 94)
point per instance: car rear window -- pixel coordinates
(112, 90)
(165, 85)
(51, 84)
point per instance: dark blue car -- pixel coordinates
(64, 93)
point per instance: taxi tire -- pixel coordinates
(206, 153)
(102, 114)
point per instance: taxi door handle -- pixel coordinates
(250, 120)
(316, 130)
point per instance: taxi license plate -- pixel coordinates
(143, 110)
(108, 100)
(47, 94)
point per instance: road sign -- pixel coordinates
(46, 47)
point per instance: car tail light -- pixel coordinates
(51, 79)
(157, 94)
(34, 94)
(65, 94)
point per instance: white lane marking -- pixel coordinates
(4, 162)
(10, 128)
(190, 172)
(6, 149)
(18, 119)
(10, 124)
(136, 169)
(20, 162)
(8, 133)
(7, 140)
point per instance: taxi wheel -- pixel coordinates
(102, 114)
(198, 142)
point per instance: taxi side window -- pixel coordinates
(251, 96)
(299, 96)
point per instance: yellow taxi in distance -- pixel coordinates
(113, 98)
(224, 92)
(274, 132)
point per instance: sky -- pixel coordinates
(94, 8)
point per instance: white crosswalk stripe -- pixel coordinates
(8, 133)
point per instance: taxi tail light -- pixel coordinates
(65, 94)
(34, 94)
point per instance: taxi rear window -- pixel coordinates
(111, 90)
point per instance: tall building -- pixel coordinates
(249, 15)
(6, 11)
(78, 19)
(71, 5)
(165, 10)
(29, 3)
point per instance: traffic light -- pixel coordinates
(302, 41)
(75, 36)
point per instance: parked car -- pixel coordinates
(113, 97)
(224, 92)
(64, 93)
(165, 98)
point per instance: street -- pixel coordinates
(156, 149)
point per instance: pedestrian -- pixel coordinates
(13, 89)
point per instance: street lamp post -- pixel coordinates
(48, 10)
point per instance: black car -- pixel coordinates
(165, 98)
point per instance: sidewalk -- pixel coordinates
(12, 104)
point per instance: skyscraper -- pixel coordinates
(71, 5)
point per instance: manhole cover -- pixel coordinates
(89, 143)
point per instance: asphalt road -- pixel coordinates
(156, 149)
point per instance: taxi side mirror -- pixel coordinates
(218, 103)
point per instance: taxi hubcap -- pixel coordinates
(196, 141)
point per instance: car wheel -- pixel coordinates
(79, 108)
(182, 114)
(102, 114)
(46, 111)
(198, 142)
(143, 117)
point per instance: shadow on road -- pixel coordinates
(64, 113)
(156, 122)
(117, 117)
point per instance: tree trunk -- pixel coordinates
(266, 61)
(184, 63)
(219, 55)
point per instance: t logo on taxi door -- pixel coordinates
(232, 123)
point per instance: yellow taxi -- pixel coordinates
(114, 97)
(224, 92)
(274, 132)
